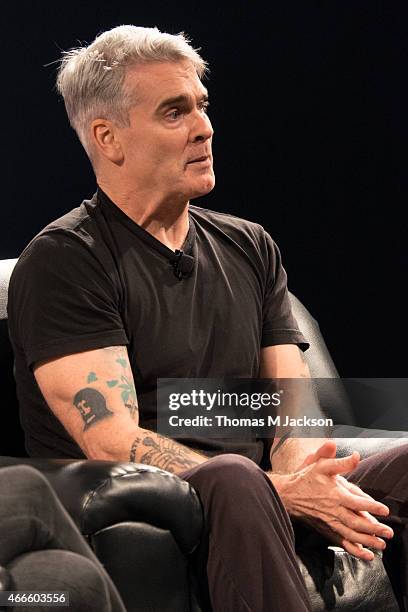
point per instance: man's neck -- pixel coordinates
(166, 220)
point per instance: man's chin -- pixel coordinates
(202, 189)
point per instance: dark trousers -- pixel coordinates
(249, 548)
(384, 476)
(42, 550)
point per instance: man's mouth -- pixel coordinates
(198, 159)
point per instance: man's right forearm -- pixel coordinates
(142, 446)
(153, 449)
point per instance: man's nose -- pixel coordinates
(202, 129)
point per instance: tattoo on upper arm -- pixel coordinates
(124, 382)
(92, 406)
(128, 393)
(133, 408)
(163, 453)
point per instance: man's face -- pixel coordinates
(169, 129)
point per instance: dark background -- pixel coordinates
(308, 102)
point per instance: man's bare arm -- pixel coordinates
(308, 478)
(93, 395)
(287, 361)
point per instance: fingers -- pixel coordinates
(350, 486)
(386, 532)
(326, 451)
(355, 537)
(382, 509)
(355, 549)
(331, 467)
(366, 529)
(308, 461)
(362, 502)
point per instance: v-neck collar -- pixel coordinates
(187, 247)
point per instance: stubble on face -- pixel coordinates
(159, 149)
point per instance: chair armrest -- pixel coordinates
(366, 441)
(99, 494)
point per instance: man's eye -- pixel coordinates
(205, 105)
(175, 114)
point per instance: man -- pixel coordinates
(138, 284)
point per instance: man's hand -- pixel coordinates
(318, 495)
(327, 450)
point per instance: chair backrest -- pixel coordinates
(330, 390)
(11, 434)
(331, 393)
(6, 268)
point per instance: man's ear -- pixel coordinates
(106, 140)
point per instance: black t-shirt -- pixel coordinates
(94, 278)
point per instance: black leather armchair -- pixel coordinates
(144, 523)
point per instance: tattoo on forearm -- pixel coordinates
(135, 444)
(163, 453)
(92, 406)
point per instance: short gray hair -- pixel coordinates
(91, 79)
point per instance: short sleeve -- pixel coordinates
(63, 298)
(279, 324)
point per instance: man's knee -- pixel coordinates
(234, 486)
(229, 472)
(234, 465)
